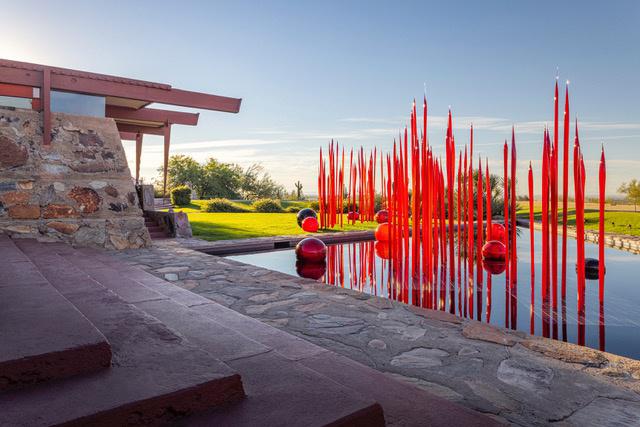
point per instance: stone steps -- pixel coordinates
(44, 337)
(157, 375)
(280, 389)
(155, 230)
(273, 397)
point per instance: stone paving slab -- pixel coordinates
(517, 378)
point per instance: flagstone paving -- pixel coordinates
(515, 377)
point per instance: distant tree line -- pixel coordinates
(222, 180)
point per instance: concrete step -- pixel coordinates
(44, 337)
(280, 390)
(270, 398)
(157, 375)
(158, 235)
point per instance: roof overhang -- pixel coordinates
(119, 91)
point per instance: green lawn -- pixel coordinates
(224, 226)
(195, 205)
(621, 222)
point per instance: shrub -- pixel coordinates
(293, 209)
(181, 196)
(315, 205)
(267, 206)
(220, 205)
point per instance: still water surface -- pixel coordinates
(357, 266)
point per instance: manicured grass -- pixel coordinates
(245, 205)
(224, 226)
(240, 225)
(616, 221)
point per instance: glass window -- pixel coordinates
(12, 101)
(76, 103)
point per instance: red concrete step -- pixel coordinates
(271, 398)
(42, 335)
(280, 390)
(157, 375)
(158, 235)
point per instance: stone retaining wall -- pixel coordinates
(77, 190)
(612, 240)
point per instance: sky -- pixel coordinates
(312, 71)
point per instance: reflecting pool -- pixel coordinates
(612, 327)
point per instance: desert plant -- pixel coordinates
(181, 195)
(221, 205)
(267, 206)
(298, 186)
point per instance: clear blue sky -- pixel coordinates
(310, 71)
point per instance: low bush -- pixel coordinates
(181, 196)
(267, 206)
(220, 205)
(293, 209)
(315, 205)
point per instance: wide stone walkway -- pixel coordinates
(515, 377)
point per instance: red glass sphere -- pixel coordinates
(383, 232)
(305, 213)
(494, 250)
(498, 232)
(382, 216)
(310, 224)
(494, 266)
(352, 216)
(382, 250)
(311, 249)
(311, 270)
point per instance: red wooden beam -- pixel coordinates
(167, 142)
(148, 130)
(46, 107)
(138, 155)
(128, 136)
(152, 115)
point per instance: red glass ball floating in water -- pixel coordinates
(494, 250)
(383, 232)
(311, 249)
(310, 224)
(382, 216)
(498, 232)
(494, 266)
(352, 216)
(382, 250)
(311, 270)
(305, 213)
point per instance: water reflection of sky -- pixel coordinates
(621, 304)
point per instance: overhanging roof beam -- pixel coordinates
(152, 115)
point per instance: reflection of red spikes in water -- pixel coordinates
(513, 285)
(531, 252)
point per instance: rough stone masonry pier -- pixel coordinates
(77, 190)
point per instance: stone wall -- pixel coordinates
(78, 189)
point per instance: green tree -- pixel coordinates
(256, 184)
(221, 180)
(183, 170)
(632, 190)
